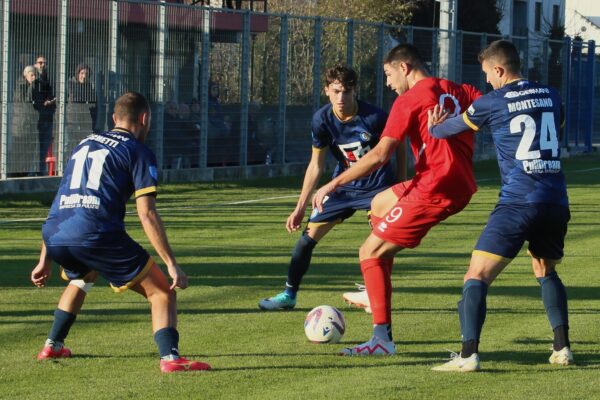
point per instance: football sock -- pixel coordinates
(561, 338)
(383, 332)
(61, 325)
(376, 273)
(299, 263)
(474, 309)
(468, 348)
(554, 296)
(167, 340)
(461, 315)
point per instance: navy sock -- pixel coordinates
(167, 340)
(474, 309)
(299, 263)
(461, 315)
(554, 296)
(62, 324)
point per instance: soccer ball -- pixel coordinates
(324, 324)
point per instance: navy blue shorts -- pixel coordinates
(544, 226)
(342, 204)
(122, 265)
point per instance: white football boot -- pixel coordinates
(374, 347)
(358, 299)
(459, 364)
(561, 357)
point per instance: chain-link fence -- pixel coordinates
(228, 88)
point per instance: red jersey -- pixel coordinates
(443, 167)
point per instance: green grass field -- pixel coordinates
(236, 254)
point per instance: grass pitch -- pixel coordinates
(237, 253)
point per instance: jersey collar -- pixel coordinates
(123, 130)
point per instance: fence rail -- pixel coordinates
(227, 87)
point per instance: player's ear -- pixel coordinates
(145, 118)
(115, 119)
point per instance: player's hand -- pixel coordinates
(180, 279)
(321, 196)
(294, 221)
(40, 274)
(436, 116)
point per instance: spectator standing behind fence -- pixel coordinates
(23, 139)
(81, 107)
(46, 107)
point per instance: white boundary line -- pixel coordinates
(233, 203)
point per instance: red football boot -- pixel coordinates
(48, 353)
(181, 364)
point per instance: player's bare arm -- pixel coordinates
(369, 162)
(41, 272)
(155, 231)
(313, 173)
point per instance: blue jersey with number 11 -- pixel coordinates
(102, 174)
(524, 119)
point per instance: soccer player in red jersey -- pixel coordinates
(442, 185)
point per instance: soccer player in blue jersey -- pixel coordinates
(349, 128)
(524, 118)
(85, 232)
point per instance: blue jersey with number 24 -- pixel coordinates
(524, 118)
(103, 172)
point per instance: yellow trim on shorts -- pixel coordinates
(557, 261)
(491, 256)
(135, 280)
(468, 122)
(64, 277)
(141, 192)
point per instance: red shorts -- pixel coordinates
(409, 220)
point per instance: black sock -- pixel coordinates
(561, 337)
(62, 324)
(167, 340)
(468, 348)
(299, 263)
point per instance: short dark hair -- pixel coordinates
(345, 75)
(130, 106)
(404, 53)
(504, 53)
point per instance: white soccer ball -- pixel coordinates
(324, 324)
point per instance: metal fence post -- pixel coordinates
(61, 93)
(204, 77)
(316, 90)
(379, 68)
(589, 98)
(160, 92)
(567, 90)
(482, 79)
(435, 52)
(456, 69)
(281, 115)
(4, 83)
(350, 43)
(112, 56)
(545, 44)
(244, 89)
